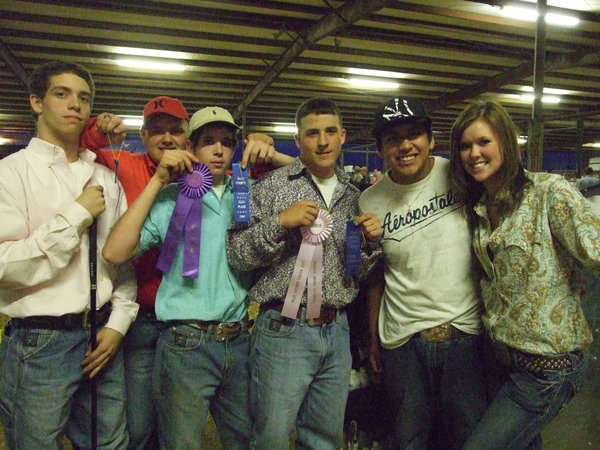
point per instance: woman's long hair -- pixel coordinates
(512, 174)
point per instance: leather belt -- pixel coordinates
(442, 333)
(326, 316)
(537, 364)
(222, 331)
(66, 321)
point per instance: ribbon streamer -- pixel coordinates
(187, 220)
(308, 270)
(241, 196)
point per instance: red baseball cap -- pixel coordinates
(166, 105)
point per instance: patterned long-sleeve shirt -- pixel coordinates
(531, 289)
(266, 246)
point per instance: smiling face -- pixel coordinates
(405, 148)
(481, 155)
(214, 147)
(163, 132)
(63, 111)
(320, 138)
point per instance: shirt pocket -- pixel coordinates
(518, 257)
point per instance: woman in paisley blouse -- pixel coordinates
(531, 233)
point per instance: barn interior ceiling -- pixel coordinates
(261, 58)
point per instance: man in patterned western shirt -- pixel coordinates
(300, 367)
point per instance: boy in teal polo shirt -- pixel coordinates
(202, 354)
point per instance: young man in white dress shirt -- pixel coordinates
(50, 194)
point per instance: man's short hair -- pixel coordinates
(317, 105)
(39, 81)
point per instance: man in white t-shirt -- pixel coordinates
(425, 308)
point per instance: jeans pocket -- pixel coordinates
(181, 339)
(38, 343)
(272, 324)
(546, 393)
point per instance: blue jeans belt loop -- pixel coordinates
(442, 333)
(222, 331)
(64, 322)
(326, 316)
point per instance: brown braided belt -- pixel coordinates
(537, 363)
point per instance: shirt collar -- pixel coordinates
(297, 168)
(51, 154)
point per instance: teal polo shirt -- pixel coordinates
(219, 293)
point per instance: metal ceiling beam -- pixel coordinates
(518, 73)
(344, 16)
(14, 64)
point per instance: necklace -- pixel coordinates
(418, 194)
(116, 154)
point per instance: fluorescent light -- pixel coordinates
(531, 15)
(5, 141)
(515, 12)
(376, 73)
(150, 52)
(561, 20)
(372, 84)
(592, 144)
(547, 90)
(285, 128)
(133, 121)
(545, 99)
(151, 65)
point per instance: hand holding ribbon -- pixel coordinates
(187, 219)
(308, 270)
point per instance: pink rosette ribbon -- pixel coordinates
(308, 271)
(187, 220)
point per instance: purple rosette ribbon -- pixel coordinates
(308, 270)
(187, 220)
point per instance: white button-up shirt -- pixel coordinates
(44, 246)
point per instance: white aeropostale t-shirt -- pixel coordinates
(429, 267)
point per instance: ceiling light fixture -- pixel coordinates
(150, 65)
(552, 99)
(372, 84)
(375, 73)
(531, 15)
(5, 141)
(133, 121)
(132, 51)
(285, 128)
(592, 144)
(547, 90)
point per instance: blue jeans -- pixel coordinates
(195, 374)
(525, 404)
(300, 377)
(139, 349)
(437, 390)
(43, 394)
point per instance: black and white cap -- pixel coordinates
(399, 110)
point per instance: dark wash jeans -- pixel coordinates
(437, 390)
(524, 404)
